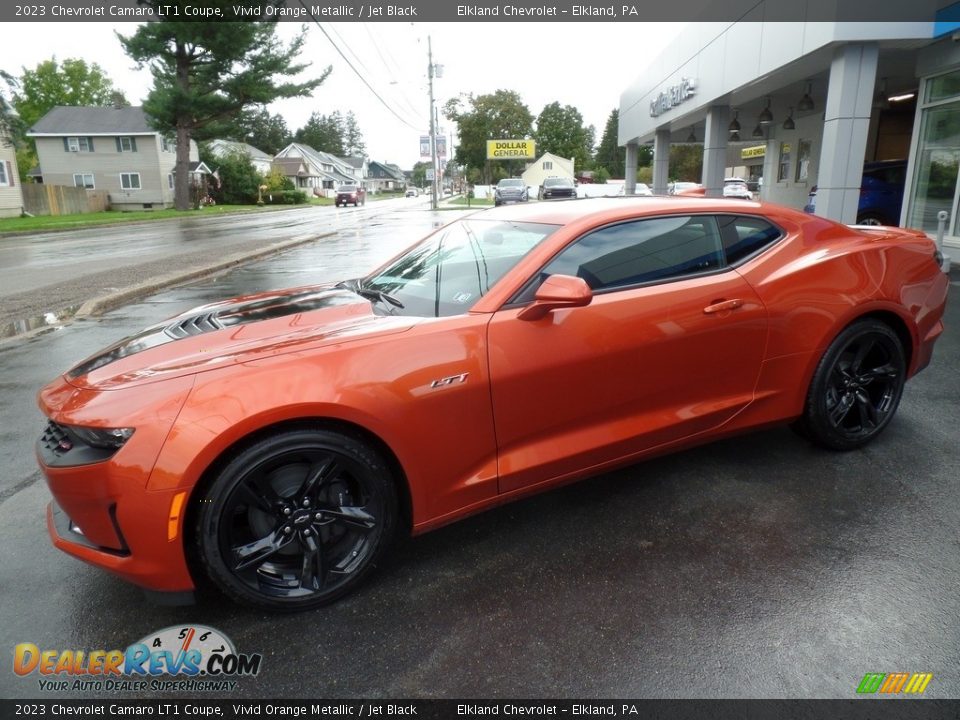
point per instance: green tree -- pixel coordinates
(686, 162)
(611, 156)
(498, 116)
(205, 73)
(261, 129)
(239, 179)
(419, 175)
(71, 82)
(560, 131)
(323, 132)
(352, 137)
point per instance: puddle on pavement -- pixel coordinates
(48, 320)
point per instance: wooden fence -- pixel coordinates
(41, 199)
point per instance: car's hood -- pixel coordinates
(235, 331)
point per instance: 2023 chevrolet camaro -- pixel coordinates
(276, 443)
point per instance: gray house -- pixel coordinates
(112, 149)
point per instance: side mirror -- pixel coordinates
(557, 291)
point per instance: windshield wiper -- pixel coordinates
(370, 293)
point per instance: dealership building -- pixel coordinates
(790, 105)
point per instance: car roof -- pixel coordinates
(616, 208)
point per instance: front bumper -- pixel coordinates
(104, 510)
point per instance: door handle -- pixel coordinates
(718, 306)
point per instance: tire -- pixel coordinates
(297, 520)
(872, 219)
(856, 387)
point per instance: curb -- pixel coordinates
(99, 305)
(105, 303)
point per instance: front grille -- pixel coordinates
(197, 325)
(56, 440)
(57, 447)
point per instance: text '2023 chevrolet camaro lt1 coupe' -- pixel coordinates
(276, 443)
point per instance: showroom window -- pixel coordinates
(642, 251)
(936, 170)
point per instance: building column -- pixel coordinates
(715, 149)
(661, 161)
(846, 126)
(630, 172)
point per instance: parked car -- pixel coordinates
(276, 443)
(412, 192)
(557, 187)
(351, 195)
(685, 188)
(736, 188)
(510, 190)
(881, 193)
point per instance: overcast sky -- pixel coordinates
(586, 65)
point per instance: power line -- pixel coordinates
(356, 72)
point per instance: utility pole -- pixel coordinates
(433, 129)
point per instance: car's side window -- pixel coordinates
(744, 236)
(642, 251)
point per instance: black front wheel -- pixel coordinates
(856, 388)
(297, 520)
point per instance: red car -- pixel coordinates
(276, 443)
(354, 195)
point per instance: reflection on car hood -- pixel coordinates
(234, 331)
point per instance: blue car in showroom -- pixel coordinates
(881, 193)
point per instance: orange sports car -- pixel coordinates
(276, 443)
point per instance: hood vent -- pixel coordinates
(197, 325)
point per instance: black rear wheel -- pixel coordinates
(297, 520)
(856, 388)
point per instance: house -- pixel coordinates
(545, 166)
(383, 177)
(359, 165)
(317, 170)
(261, 161)
(11, 196)
(107, 148)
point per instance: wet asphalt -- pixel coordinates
(754, 567)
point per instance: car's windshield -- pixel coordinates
(557, 182)
(449, 271)
(510, 182)
(348, 188)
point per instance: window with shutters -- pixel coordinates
(78, 144)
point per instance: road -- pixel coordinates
(754, 567)
(45, 278)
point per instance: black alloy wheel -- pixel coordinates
(856, 388)
(297, 520)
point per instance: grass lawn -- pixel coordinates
(476, 202)
(112, 217)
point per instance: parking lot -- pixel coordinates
(759, 566)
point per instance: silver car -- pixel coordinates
(510, 190)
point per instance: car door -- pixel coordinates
(670, 346)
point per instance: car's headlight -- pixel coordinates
(100, 437)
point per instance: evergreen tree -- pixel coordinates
(205, 73)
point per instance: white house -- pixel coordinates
(11, 197)
(261, 161)
(546, 166)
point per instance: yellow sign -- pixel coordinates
(753, 152)
(511, 149)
